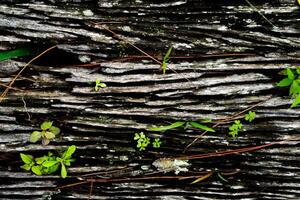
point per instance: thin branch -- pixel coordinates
(20, 72)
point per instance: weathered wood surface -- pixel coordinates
(102, 123)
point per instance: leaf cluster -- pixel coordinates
(99, 85)
(237, 125)
(48, 132)
(250, 116)
(183, 124)
(49, 164)
(143, 141)
(235, 128)
(292, 80)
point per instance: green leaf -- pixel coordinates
(103, 85)
(202, 127)
(69, 152)
(55, 130)
(298, 70)
(26, 158)
(35, 136)
(136, 136)
(296, 101)
(294, 89)
(164, 67)
(222, 178)
(46, 125)
(165, 60)
(167, 56)
(41, 160)
(285, 82)
(290, 74)
(49, 163)
(27, 167)
(63, 172)
(4, 55)
(165, 128)
(53, 168)
(37, 170)
(49, 135)
(206, 121)
(45, 141)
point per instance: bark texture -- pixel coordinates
(230, 55)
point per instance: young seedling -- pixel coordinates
(142, 141)
(48, 132)
(292, 80)
(250, 116)
(156, 143)
(166, 60)
(49, 164)
(235, 128)
(99, 85)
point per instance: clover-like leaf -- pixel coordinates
(46, 125)
(27, 159)
(136, 136)
(55, 130)
(156, 143)
(35, 136)
(250, 116)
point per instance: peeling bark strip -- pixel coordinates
(226, 49)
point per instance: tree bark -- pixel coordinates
(226, 58)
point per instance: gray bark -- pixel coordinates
(229, 53)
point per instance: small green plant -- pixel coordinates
(250, 116)
(166, 60)
(292, 80)
(99, 85)
(235, 128)
(49, 164)
(143, 141)
(183, 124)
(48, 132)
(156, 143)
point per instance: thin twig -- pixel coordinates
(12, 88)
(91, 190)
(228, 152)
(25, 66)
